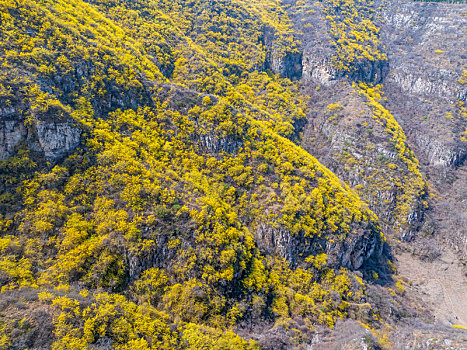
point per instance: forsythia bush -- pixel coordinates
(146, 236)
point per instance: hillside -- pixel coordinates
(232, 174)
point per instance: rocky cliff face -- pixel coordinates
(426, 47)
(421, 79)
(318, 26)
(318, 66)
(57, 140)
(12, 131)
(358, 250)
(424, 92)
(426, 58)
(52, 138)
(357, 146)
(288, 64)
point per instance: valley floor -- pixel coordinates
(441, 284)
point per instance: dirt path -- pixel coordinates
(441, 284)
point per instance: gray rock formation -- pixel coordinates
(425, 45)
(361, 247)
(12, 131)
(288, 64)
(57, 140)
(54, 139)
(426, 49)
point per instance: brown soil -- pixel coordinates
(440, 283)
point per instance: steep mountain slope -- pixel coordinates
(148, 176)
(159, 186)
(421, 74)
